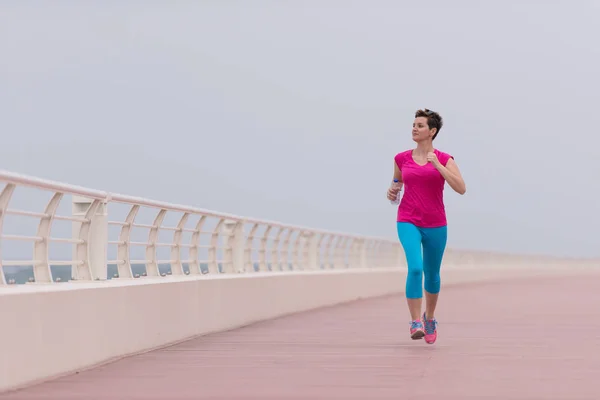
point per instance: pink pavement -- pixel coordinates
(519, 339)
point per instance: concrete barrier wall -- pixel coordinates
(51, 330)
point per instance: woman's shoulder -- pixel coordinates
(443, 156)
(403, 154)
(401, 157)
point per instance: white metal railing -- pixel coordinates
(216, 242)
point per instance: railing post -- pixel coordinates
(234, 240)
(5, 196)
(312, 250)
(97, 236)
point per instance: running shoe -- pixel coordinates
(416, 330)
(430, 330)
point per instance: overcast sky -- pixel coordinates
(293, 111)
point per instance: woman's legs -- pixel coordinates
(424, 250)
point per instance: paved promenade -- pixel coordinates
(517, 339)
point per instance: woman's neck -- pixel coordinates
(424, 147)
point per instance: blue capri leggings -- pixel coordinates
(422, 261)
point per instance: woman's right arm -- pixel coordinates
(397, 172)
(395, 187)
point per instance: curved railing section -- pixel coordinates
(114, 236)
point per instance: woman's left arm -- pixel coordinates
(451, 174)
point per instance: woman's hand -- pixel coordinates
(432, 158)
(392, 192)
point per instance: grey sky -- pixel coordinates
(293, 111)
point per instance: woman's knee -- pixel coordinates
(415, 273)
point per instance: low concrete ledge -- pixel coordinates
(56, 329)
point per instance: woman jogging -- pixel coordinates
(421, 218)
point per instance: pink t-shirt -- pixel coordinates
(423, 201)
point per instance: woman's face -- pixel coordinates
(421, 131)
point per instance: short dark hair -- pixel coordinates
(434, 120)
